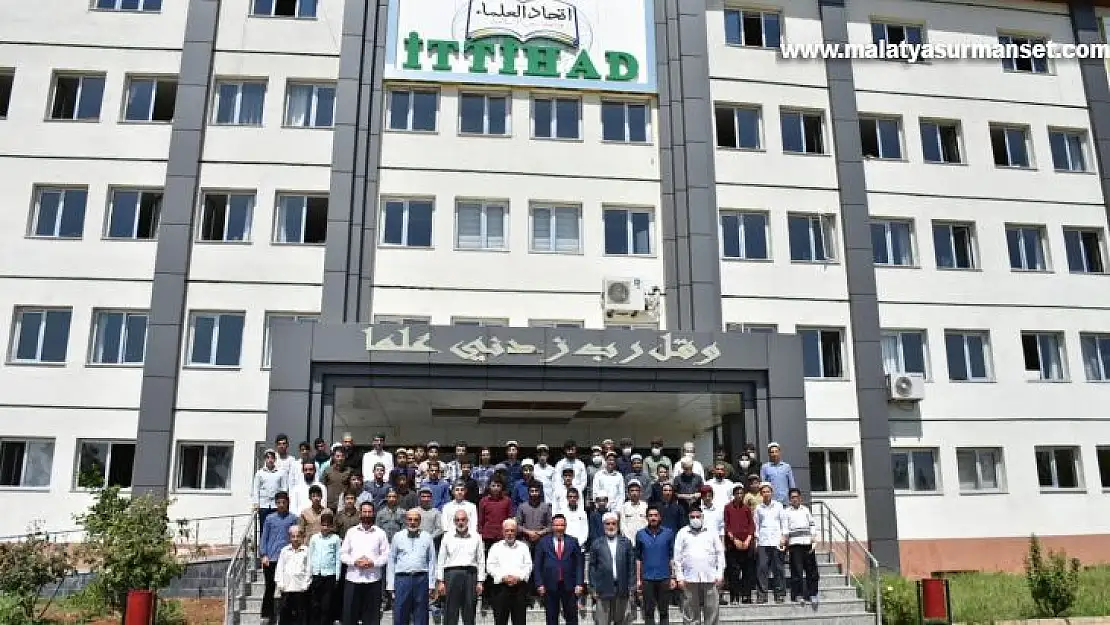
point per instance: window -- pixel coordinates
(881, 137)
(632, 326)
(1010, 145)
(240, 103)
(1016, 62)
(968, 356)
(149, 6)
(822, 352)
(803, 133)
(904, 351)
(402, 320)
(1102, 454)
(41, 335)
(940, 141)
(150, 99)
(481, 225)
(479, 322)
(830, 470)
(979, 469)
(1058, 467)
(752, 328)
(414, 110)
(1084, 249)
(892, 242)
(77, 97)
(811, 238)
(1044, 355)
(625, 121)
(915, 470)
(484, 113)
(216, 339)
(901, 35)
(59, 213)
(7, 78)
(556, 118)
(408, 223)
(227, 217)
(301, 219)
(744, 235)
(204, 466)
(268, 340)
(1096, 356)
(310, 106)
(554, 323)
(1067, 150)
(26, 463)
(556, 229)
(954, 245)
(1026, 247)
(628, 231)
(119, 338)
(738, 127)
(284, 8)
(755, 29)
(105, 463)
(134, 214)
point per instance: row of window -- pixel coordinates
(305, 9)
(215, 339)
(740, 126)
(133, 213)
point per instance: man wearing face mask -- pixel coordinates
(624, 459)
(597, 460)
(699, 570)
(656, 459)
(720, 455)
(743, 468)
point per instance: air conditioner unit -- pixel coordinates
(908, 387)
(623, 296)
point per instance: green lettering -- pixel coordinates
(443, 49)
(543, 61)
(509, 50)
(480, 53)
(583, 68)
(413, 45)
(623, 66)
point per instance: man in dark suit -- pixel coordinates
(612, 573)
(559, 572)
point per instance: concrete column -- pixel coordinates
(1085, 26)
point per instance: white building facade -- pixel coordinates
(180, 179)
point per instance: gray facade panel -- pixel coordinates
(192, 101)
(167, 292)
(1085, 26)
(292, 345)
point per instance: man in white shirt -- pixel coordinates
(364, 551)
(286, 462)
(688, 452)
(376, 455)
(713, 515)
(460, 569)
(770, 532)
(559, 496)
(578, 521)
(293, 578)
(544, 472)
(611, 482)
(298, 490)
(447, 517)
(699, 570)
(721, 485)
(633, 513)
(800, 528)
(570, 460)
(509, 563)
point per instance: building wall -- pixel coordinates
(1011, 412)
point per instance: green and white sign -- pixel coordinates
(603, 45)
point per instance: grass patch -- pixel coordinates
(991, 597)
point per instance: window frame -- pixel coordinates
(802, 113)
(826, 453)
(485, 95)
(910, 472)
(625, 104)
(828, 229)
(214, 347)
(1099, 250)
(204, 445)
(1101, 452)
(141, 192)
(156, 79)
(1096, 344)
(278, 229)
(95, 337)
(248, 234)
(941, 125)
(1080, 136)
(36, 211)
(629, 230)
(556, 324)
(742, 234)
(7, 75)
(1061, 356)
(26, 441)
(296, 14)
(554, 124)
(94, 6)
(977, 457)
(313, 111)
(763, 14)
(735, 109)
(1027, 143)
(988, 354)
(841, 347)
(480, 322)
(886, 25)
(888, 230)
(898, 334)
(237, 115)
(751, 328)
(1077, 465)
(1042, 243)
(878, 119)
(81, 77)
(1010, 64)
(407, 201)
(483, 205)
(111, 442)
(403, 320)
(16, 334)
(972, 244)
(553, 207)
(267, 330)
(410, 111)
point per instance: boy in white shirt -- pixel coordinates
(770, 531)
(293, 577)
(800, 529)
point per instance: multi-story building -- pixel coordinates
(228, 219)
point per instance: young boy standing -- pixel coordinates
(292, 578)
(324, 567)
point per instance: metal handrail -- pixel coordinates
(237, 569)
(832, 529)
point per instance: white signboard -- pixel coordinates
(603, 45)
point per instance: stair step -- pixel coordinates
(828, 605)
(807, 615)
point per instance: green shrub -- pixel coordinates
(11, 610)
(170, 612)
(26, 567)
(1053, 581)
(899, 597)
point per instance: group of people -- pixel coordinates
(419, 534)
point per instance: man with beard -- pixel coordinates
(336, 478)
(509, 564)
(299, 491)
(365, 551)
(612, 573)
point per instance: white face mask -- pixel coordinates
(627, 451)
(655, 451)
(696, 523)
(744, 464)
(597, 461)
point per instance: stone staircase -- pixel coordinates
(840, 604)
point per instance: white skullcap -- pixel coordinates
(611, 516)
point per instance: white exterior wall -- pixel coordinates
(76, 401)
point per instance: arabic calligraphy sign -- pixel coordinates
(489, 348)
(589, 44)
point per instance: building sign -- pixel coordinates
(488, 348)
(604, 45)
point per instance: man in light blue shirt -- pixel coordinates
(778, 474)
(324, 567)
(410, 574)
